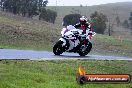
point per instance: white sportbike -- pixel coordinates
(73, 40)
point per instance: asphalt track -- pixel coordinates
(11, 54)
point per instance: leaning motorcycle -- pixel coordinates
(73, 40)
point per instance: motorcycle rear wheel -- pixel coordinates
(86, 51)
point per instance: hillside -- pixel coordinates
(122, 9)
(25, 33)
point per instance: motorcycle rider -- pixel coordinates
(84, 25)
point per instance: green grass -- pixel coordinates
(109, 40)
(58, 74)
(109, 45)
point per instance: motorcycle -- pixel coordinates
(73, 40)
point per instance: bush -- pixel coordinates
(130, 20)
(48, 15)
(125, 24)
(99, 23)
(71, 19)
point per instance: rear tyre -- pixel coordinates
(58, 49)
(84, 52)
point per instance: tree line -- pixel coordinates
(29, 8)
(128, 23)
(98, 21)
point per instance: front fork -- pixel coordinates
(65, 44)
(84, 40)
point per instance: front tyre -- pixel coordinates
(58, 49)
(85, 49)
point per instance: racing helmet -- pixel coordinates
(83, 20)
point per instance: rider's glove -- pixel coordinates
(83, 36)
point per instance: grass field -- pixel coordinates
(58, 74)
(112, 45)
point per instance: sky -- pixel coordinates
(83, 2)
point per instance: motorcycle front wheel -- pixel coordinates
(58, 49)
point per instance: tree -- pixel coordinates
(81, 5)
(27, 8)
(48, 15)
(118, 22)
(125, 24)
(130, 19)
(71, 19)
(99, 23)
